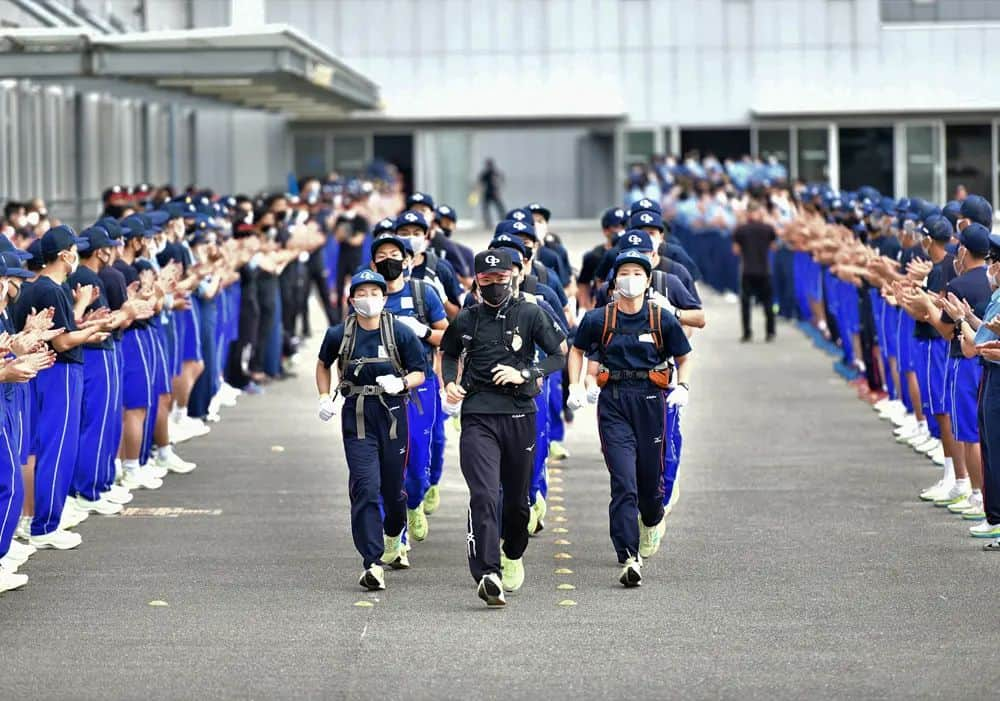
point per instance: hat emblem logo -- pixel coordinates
(634, 240)
(492, 260)
(418, 197)
(367, 275)
(519, 215)
(645, 218)
(645, 203)
(410, 217)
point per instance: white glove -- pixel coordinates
(577, 397)
(593, 392)
(414, 325)
(327, 408)
(447, 407)
(390, 384)
(661, 301)
(678, 397)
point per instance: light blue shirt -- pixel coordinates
(984, 335)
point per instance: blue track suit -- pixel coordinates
(11, 486)
(422, 418)
(375, 463)
(632, 415)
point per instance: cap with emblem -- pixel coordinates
(637, 240)
(522, 214)
(536, 208)
(645, 218)
(646, 205)
(636, 257)
(384, 226)
(507, 241)
(411, 218)
(615, 216)
(367, 277)
(419, 198)
(938, 228)
(516, 228)
(446, 212)
(493, 261)
(61, 238)
(404, 247)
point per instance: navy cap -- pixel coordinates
(135, 227)
(446, 212)
(61, 238)
(200, 237)
(419, 198)
(178, 210)
(384, 226)
(536, 208)
(404, 248)
(7, 247)
(633, 256)
(615, 216)
(645, 218)
(496, 260)
(522, 214)
(516, 227)
(976, 239)
(158, 217)
(10, 266)
(410, 218)
(111, 225)
(367, 277)
(35, 249)
(927, 210)
(646, 205)
(637, 240)
(97, 237)
(995, 246)
(938, 228)
(952, 211)
(508, 241)
(978, 209)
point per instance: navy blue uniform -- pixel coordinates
(375, 462)
(632, 416)
(964, 374)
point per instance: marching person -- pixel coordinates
(495, 342)
(634, 341)
(378, 360)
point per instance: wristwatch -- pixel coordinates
(685, 385)
(677, 314)
(406, 383)
(427, 334)
(526, 374)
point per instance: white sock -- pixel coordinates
(977, 494)
(923, 426)
(178, 414)
(949, 471)
(130, 465)
(964, 482)
(164, 452)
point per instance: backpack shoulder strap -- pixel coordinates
(387, 331)
(610, 320)
(419, 300)
(346, 344)
(655, 322)
(431, 259)
(660, 282)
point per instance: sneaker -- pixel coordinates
(196, 427)
(927, 446)
(675, 496)
(23, 530)
(140, 479)
(117, 494)
(373, 578)
(994, 546)
(985, 530)
(416, 523)
(631, 575)
(959, 491)
(907, 432)
(174, 463)
(491, 591)
(432, 499)
(72, 515)
(882, 405)
(935, 492)
(936, 456)
(20, 551)
(9, 564)
(513, 572)
(557, 451)
(650, 537)
(903, 421)
(151, 468)
(403, 561)
(391, 548)
(536, 523)
(11, 580)
(101, 506)
(975, 511)
(960, 505)
(918, 438)
(57, 539)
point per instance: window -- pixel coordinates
(310, 156)
(349, 155)
(813, 155)
(776, 143)
(939, 10)
(638, 146)
(923, 161)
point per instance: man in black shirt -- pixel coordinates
(613, 223)
(490, 181)
(753, 242)
(495, 342)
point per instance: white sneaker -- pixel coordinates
(174, 463)
(631, 574)
(196, 427)
(20, 551)
(72, 515)
(936, 456)
(927, 446)
(7, 563)
(151, 468)
(373, 578)
(178, 432)
(102, 506)
(10, 580)
(915, 433)
(881, 405)
(920, 437)
(985, 530)
(935, 492)
(903, 421)
(650, 537)
(961, 505)
(975, 511)
(117, 494)
(140, 479)
(490, 590)
(23, 530)
(959, 491)
(58, 539)
(213, 417)
(892, 410)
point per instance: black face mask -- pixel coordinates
(447, 232)
(495, 294)
(389, 268)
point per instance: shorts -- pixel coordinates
(137, 380)
(908, 344)
(937, 375)
(160, 372)
(963, 395)
(190, 321)
(890, 325)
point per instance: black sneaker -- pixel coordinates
(491, 591)
(373, 578)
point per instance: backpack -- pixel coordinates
(419, 300)
(387, 332)
(611, 325)
(540, 272)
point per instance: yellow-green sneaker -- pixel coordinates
(557, 451)
(513, 572)
(650, 537)
(536, 523)
(391, 548)
(432, 500)
(416, 523)
(675, 496)
(985, 530)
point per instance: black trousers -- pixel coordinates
(758, 286)
(241, 349)
(497, 203)
(267, 291)
(497, 451)
(318, 279)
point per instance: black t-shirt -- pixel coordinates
(528, 326)
(974, 287)
(352, 229)
(588, 268)
(86, 276)
(46, 292)
(755, 239)
(937, 280)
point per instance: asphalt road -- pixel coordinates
(798, 564)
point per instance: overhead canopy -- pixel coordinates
(271, 67)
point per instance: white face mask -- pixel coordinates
(992, 279)
(419, 244)
(4, 289)
(631, 286)
(75, 264)
(369, 307)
